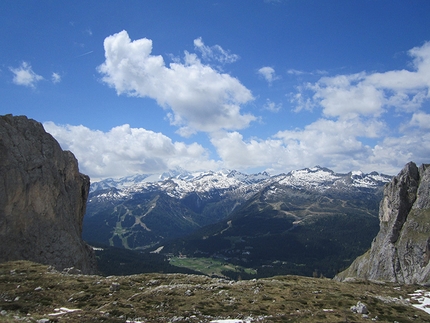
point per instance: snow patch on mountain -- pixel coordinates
(321, 179)
(207, 182)
(368, 180)
(179, 183)
(310, 178)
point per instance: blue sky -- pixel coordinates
(145, 86)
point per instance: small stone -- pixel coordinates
(38, 289)
(360, 308)
(72, 271)
(115, 287)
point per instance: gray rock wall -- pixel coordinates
(401, 250)
(42, 198)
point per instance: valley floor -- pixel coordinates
(31, 292)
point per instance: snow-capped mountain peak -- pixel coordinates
(179, 183)
(321, 178)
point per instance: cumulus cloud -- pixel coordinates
(420, 120)
(326, 142)
(236, 153)
(393, 152)
(199, 97)
(56, 78)
(336, 144)
(125, 151)
(24, 75)
(371, 94)
(352, 130)
(268, 73)
(216, 52)
(348, 96)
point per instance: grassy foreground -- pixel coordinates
(31, 292)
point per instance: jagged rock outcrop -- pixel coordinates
(401, 250)
(42, 198)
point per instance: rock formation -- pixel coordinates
(401, 250)
(42, 198)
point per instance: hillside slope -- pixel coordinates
(289, 228)
(308, 222)
(135, 213)
(44, 295)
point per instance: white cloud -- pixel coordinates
(331, 143)
(239, 154)
(420, 120)
(272, 106)
(394, 152)
(268, 73)
(200, 98)
(356, 128)
(351, 133)
(342, 145)
(25, 76)
(325, 142)
(293, 71)
(371, 94)
(56, 78)
(216, 52)
(125, 151)
(348, 96)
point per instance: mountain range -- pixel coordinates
(305, 221)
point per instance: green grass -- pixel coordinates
(209, 266)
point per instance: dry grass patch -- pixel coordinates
(31, 292)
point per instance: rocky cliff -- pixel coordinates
(42, 198)
(401, 250)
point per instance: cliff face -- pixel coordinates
(42, 198)
(401, 250)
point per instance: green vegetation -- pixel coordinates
(322, 245)
(210, 266)
(120, 261)
(31, 292)
(292, 231)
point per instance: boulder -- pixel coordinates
(360, 308)
(401, 250)
(42, 198)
